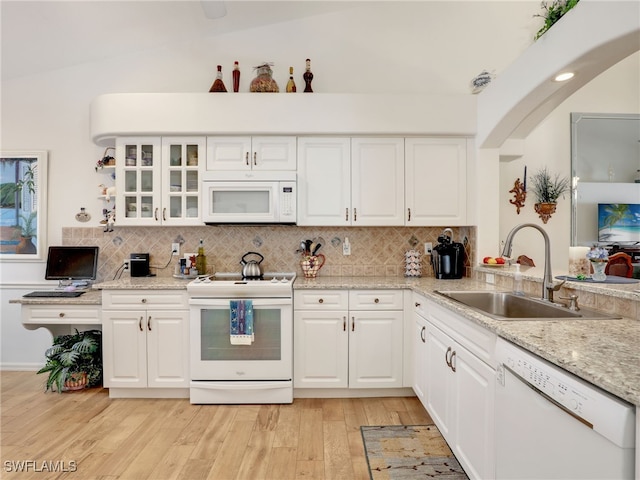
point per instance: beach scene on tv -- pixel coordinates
(619, 223)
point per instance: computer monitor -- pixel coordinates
(72, 263)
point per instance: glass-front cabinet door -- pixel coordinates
(158, 180)
(183, 163)
(138, 172)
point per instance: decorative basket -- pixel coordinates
(76, 381)
(311, 264)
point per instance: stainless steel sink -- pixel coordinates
(507, 306)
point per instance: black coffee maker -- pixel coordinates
(447, 257)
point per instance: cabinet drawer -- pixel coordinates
(375, 300)
(64, 314)
(478, 340)
(420, 305)
(320, 300)
(157, 299)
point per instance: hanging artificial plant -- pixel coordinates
(553, 11)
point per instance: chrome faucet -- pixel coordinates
(547, 284)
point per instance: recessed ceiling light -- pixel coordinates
(564, 76)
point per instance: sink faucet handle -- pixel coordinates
(573, 302)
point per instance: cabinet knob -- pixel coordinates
(418, 304)
(144, 300)
(377, 300)
(320, 300)
(61, 314)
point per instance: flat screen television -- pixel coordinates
(619, 223)
(72, 263)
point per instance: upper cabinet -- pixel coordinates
(251, 153)
(340, 181)
(436, 181)
(158, 182)
(382, 181)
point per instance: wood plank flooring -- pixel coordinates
(87, 435)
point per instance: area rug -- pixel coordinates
(399, 452)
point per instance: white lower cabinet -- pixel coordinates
(456, 386)
(348, 339)
(145, 347)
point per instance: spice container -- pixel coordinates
(264, 81)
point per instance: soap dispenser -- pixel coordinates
(517, 281)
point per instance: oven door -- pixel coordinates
(215, 357)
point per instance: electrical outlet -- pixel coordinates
(175, 249)
(428, 246)
(346, 247)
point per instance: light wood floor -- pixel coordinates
(110, 439)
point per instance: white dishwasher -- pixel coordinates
(551, 424)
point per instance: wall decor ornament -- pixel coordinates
(307, 77)
(23, 196)
(547, 189)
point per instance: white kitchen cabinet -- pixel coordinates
(460, 387)
(436, 181)
(348, 339)
(251, 153)
(356, 181)
(419, 346)
(145, 341)
(158, 180)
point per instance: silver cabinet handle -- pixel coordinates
(452, 364)
(446, 357)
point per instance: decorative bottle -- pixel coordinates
(236, 77)
(201, 259)
(291, 85)
(308, 77)
(218, 84)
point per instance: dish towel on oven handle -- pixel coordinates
(241, 322)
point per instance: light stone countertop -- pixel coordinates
(605, 353)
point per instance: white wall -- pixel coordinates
(613, 91)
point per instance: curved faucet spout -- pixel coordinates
(547, 285)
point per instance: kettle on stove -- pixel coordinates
(447, 257)
(251, 269)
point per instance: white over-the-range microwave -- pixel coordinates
(251, 197)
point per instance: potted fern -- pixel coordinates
(74, 362)
(547, 189)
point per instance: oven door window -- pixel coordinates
(215, 344)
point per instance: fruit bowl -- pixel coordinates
(493, 262)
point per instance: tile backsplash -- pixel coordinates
(375, 251)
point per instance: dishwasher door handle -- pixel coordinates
(547, 397)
